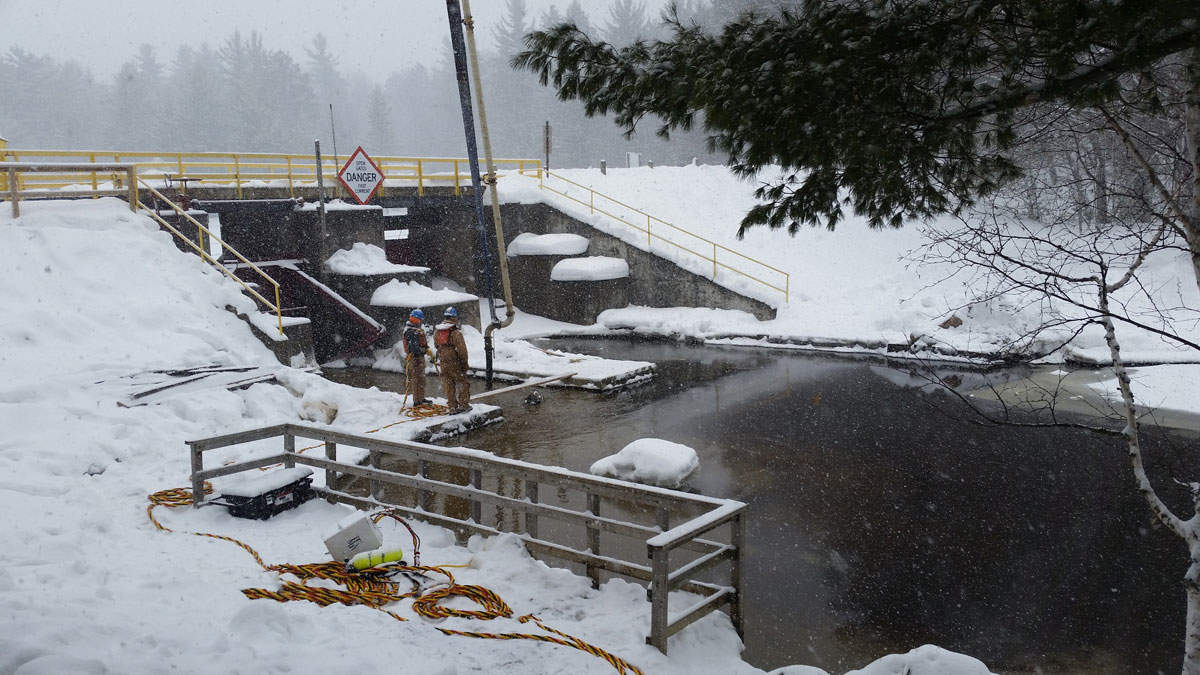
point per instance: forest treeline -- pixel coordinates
(241, 96)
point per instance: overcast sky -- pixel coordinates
(377, 36)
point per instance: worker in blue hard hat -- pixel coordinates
(452, 354)
(416, 348)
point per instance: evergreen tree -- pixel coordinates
(510, 34)
(136, 120)
(576, 15)
(379, 123)
(550, 17)
(195, 84)
(626, 23)
(899, 109)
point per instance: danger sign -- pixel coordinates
(361, 176)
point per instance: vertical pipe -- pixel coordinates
(321, 209)
(454, 15)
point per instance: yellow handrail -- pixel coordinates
(650, 236)
(205, 255)
(241, 168)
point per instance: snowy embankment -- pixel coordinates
(850, 290)
(96, 295)
(854, 285)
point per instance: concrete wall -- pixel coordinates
(653, 281)
(278, 229)
(187, 229)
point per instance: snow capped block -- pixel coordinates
(548, 244)
(925, 660)
(412, 294)
(365, 259)
(265, 482)
(652, 461)
(591, 268)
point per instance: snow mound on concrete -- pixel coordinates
(592, 268)
(548, 244)
(925, 660)
(650, 460)
(363, 259)
(412, 294)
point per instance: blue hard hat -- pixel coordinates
(450, 311)
(417, 314)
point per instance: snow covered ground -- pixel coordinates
(97, 300)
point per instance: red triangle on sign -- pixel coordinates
(361, 176)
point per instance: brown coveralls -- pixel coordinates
(452, 354)
(415, 346)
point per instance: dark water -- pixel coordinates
(878, 522)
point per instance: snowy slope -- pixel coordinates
(95, 298)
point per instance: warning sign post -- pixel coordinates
(361, 176)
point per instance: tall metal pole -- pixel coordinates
(502, 258)
(321, 209)
(333, 131)
(454, 14)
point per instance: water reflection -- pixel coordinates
(878, 523)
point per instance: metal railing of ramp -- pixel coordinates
(661, 236)
(204, 235)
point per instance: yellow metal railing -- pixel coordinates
(204, 235)
(262, 169)
(721, 257)
(27, 180)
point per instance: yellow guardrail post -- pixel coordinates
(291, 191)
(457, 191)
(237, 176)
(421, 181)
(13, 189)
(133, 187)
(714, 261)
